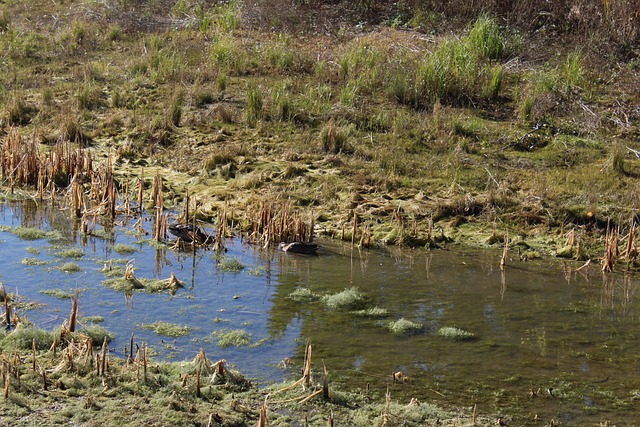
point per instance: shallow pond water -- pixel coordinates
(550, 342)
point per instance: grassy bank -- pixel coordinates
(398, 133)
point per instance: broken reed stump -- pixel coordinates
(74, 313)
(610, 248)
(263, 421)
(505, 251)
(7, 309)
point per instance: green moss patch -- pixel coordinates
(347, 300)
(456, 334)
(404, 327)
(167, 329)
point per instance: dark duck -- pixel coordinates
(307, 248)
(189, 233)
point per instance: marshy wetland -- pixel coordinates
(433, 327)
(470, 170)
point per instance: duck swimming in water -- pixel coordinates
(307, 248)
(189, 233)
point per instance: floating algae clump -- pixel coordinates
(375, 312)
(230, 264)
(454, 333)
(123, 249)
(71, 253)
(233, 337)
(349, 299)
(404, 327)
(70, 267)
(303, 295)
(167, 329)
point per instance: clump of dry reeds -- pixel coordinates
(22, 164)
(274, 221)
(611, 253)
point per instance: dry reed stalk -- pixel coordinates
(7, 383)
(385, 415)
(505, 251)
(137, 363)
(325, 383)
(130, 355)
(355, 227)
(7, 308)
(474, 415)
(198, 394)
(145, 361)
(33, 347)
(631, 250)
(263, 415)
(611, 248)
(76, 195)
(330, 420)
(103, 358)
(307, 367)
(74, 313)
(141, 192)
(44, 379)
